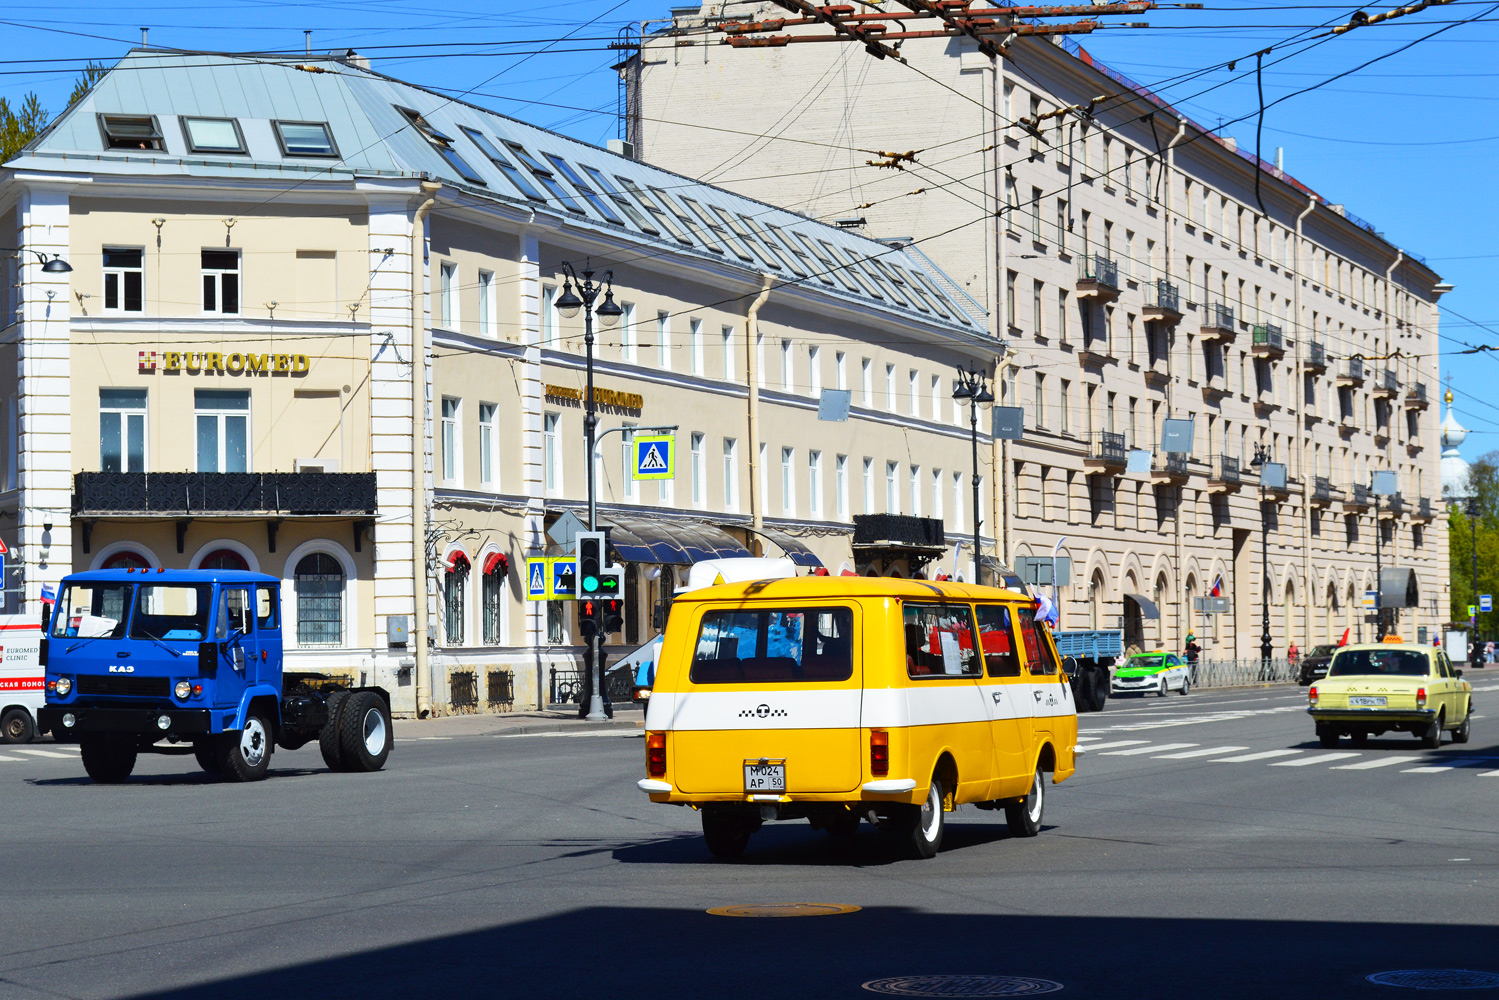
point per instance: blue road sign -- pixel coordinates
(1485, 602)
(653, 457)
(536, 579)
(564, 578)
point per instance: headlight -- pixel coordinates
(183, 689)
(64, 685)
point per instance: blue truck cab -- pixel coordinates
(190, 661)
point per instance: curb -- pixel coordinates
(563, 725)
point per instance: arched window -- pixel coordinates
(224, 559)
(319, 584)
(125, 559)
(496, 569)
(454, 583)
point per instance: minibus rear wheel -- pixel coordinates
(918, 829)
(727, 834)
(1024, 815)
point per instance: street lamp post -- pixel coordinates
(568, 304)
(1470, 508)
(1261, 461)
(973, 385)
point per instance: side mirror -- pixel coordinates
(1457, 671)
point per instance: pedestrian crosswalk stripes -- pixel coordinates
(1321, 758)
(1339, 760)
(1247, 757)
(1368, 765)
(1447, 765)
(45, 753)
(1148, 749)
(1116, 743)
(1200, 753)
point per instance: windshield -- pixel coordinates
(92, 610)
(1323, 650)
(1146, 661)
(171, 611)
(1378, 662)
(781, 644)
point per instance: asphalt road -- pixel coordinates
(1207, 847)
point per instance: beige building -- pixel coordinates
(225, 376)
(1142, 268)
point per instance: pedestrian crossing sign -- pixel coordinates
(564, 571)
(654, 457)
(537, 578)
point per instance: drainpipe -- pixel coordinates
(1389, 350)
(1184, 615)
(420, 681)
(752, 372)
(1306, 478)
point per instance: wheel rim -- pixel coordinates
(1038, 797)
(374, 732)
(15, 729)
(252, 742)
(931, 813)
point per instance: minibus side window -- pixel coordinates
(774, 645)
(1039, 659)
(939, 641)
(995, 637)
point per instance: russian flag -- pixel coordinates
(1217, 590)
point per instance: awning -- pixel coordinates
(1147, 606)
(795, 550)
(456, 561)
(669, 544)
(493, 560)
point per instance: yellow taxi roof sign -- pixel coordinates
(1394, 639)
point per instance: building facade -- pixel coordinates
(1141, 268)
(233, 374)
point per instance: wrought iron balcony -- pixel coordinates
(1415, 396)
(1218, 323)
(1164, 302)
(1268, 342)
(200, 494)
(1425, 510)
(1321, 491)
(1352, 372)
(1356, 497)
(1386, 385)
(1097, 278)
(1107, 451)
(1225, 474)
(1169, 467)
(898, 531)
(1316, 357)
(1391, 506)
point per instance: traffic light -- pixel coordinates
(588, 617)
(590, 563)
(612, 581)
(611, 615)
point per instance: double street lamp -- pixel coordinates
(1271, 474)
(972, 384)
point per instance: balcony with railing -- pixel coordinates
(1225, 475)
(1268, 342)
(1391, 506)
(1107, 452)
(1097, 278)
(1169, 467)
(1424, 510)
(1356, 497)
(1321, 495)
(1316, 358)
(1415, 396)
(1352, 372)
(1386, 385)
(1163, 302)
(1218, 323)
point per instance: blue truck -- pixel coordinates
(189, 662)
(1087, 656)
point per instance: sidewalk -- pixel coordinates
(515, 724)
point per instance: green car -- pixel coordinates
(1152, 673)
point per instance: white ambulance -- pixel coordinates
(21, 675)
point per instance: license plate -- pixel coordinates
(764, 777)
(1367, 702)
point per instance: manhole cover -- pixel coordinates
(962, 986)
(784, 910)
(1437, 979)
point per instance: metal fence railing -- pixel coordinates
(1209, 673)
(565, 686)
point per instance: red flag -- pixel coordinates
(1344, 641)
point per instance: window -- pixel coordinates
(840, 369)
(549, 315)
(915, 491)
(664, 222)
(599, 204)
(727, 332)
(866, 381)
(1062, 315)
(814, 485)
(695, 345)
(937, 494)
(512, 173)
(1036, 287)
(786, 366)
(221, 282)
(486, 304)
(319, 585)
(1040, 407)
(213, 135)
(452, 443)
(699, 487)
(447, 295)
(957, 501)
(840, 486)
(764, 475)
(489, 443)
(454, 585)
(814, 370)
(224, 559)
(913, 380)
(546, 177)
(936, 397)
(305, 139)
(223, 424)
(890, 388)
(1010, 278)
(788, 482)
(444, 146)
(1064, 407)
(123, 279)
(774, 645)
(1036, 214)
(892, 488)
(1062, 223)
(663, 340)
(760, 360)
(939, 641)
(869, 486)
(730, 475)
(627, 331)
(494, 587)
(131, 132)
(1039, 658)
(996, 640)
(122, 430)
(704, 222)
(552, 452)
(620, 201)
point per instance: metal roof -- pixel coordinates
(590, 188)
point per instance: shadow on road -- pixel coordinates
(194, 777)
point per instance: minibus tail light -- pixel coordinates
(1420, 697)
(655, 754)
(879, 752)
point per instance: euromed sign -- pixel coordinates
(601, 397)
(235, 363)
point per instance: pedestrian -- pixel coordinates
(1192, 649)
(1293, 654)
(1488, 652)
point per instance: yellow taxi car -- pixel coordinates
(844, 699)
(1393, 686)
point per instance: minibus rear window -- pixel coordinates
(939, 641)
(774, 645)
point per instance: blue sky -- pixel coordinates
(1408, 143)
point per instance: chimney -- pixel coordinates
(1231, 143)
(1280, 158)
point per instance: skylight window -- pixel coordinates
(547, 178)
(444, 146)
(938, 299)
(625, 205)
(893, 283)
(594, 199)
(131, 132)
(743, 235)
(213, 135)
(511, 171)
(776, 255)
(305, 138)
(855, 271)
(685, 220)
(719, 232)
(840, 269)
(658, 213)
(826, 269)
(800, 262)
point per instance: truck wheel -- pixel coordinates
(246, 755)
(208, 754)
(1101, 688)
(107, 759)
(17, 727)
(328, 741)
(727, 835)
(365, 732)
(1024, 815)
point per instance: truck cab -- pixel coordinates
(192, 658)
